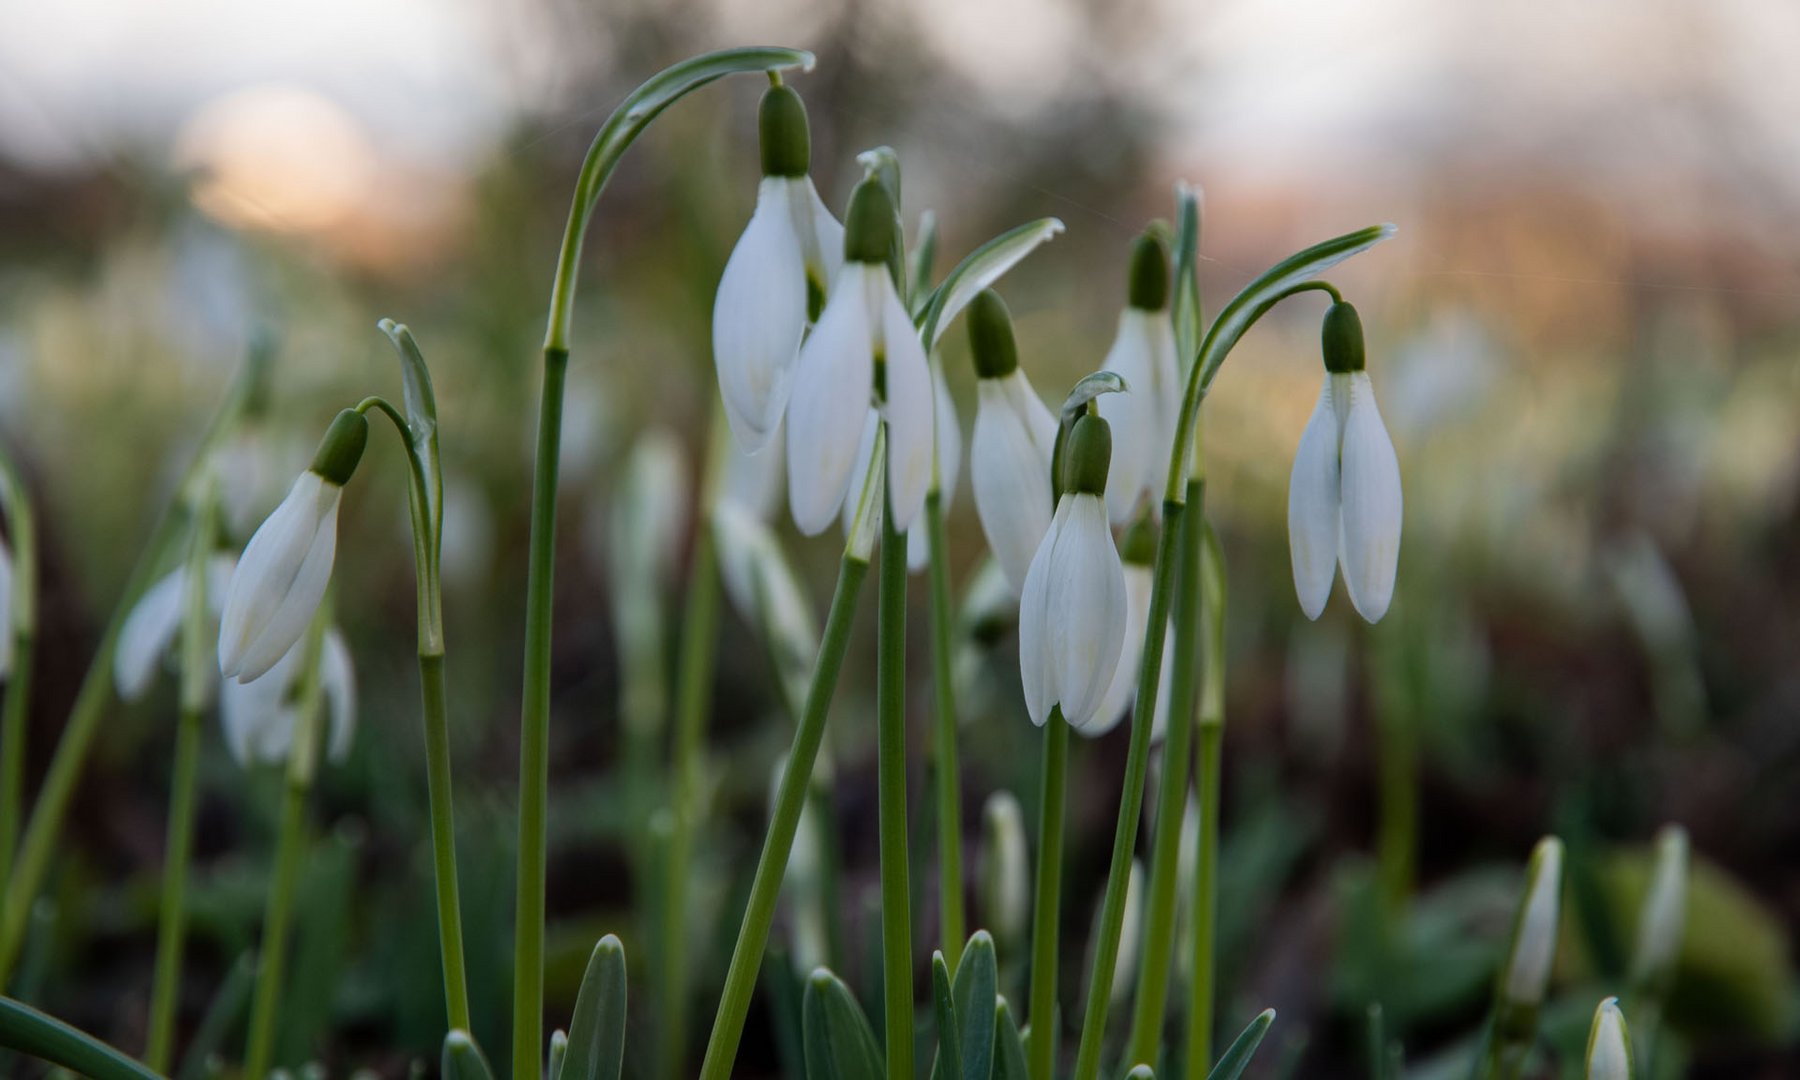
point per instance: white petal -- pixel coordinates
(280, 580)
(1037, 670)
(147, 634)
(753, 481)
(337, 676)
(1313, 507)
(911, 428)
(830, 398)
(826, 253)
(859, 471)
(1009, 469)
(949, 465)
(759, 314)
(1132, 416)
(1371, 504)
(1139, 580)
(1165, 371)
(1534, 939)
(1085, 609)
(6, 626)
(257, 717)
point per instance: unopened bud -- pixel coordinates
(1341, 339)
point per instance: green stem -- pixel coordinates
(693, 696)
(534, 729)
(289, 849)
(1137, 762)
(1397, 843)
(790, 799)
(890, 718)
(23, 629)
(172, 918)
(28, 1031)
(1165, 859)
(949, 774)
(1046, 914)
(443, 838)
(1206, 899)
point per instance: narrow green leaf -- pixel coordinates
(1009, 1045)
(977, 1001)
(1262, 294)
(924, 254)
(1238, 1054)
(980, 269)
(559, 1053)
(1187, 313)
(1377, 1037)
(839, 1044)
(463, 1060)
(227, 1006)
(420, 402)
(597, 1029)
(1087, 389)
(943, 1001)
(28, 1031)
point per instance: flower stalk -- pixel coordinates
(18, 625)
(1046, 910)
(890, 717)
(949, 773)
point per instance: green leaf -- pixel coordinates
(463, 1060)
(420, 403)
(1009, 1045)
(28, 1031)
(227, 1006)
(559, 1053)
(1087, 389)
(949, 1055)
(1187, 312)
(980, 269)
(977, 1001)
(1238, 1054)
(924, 253)
(839, 1044)
(597, 1030)
(1262, 294)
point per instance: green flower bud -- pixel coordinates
(1089, 454)
(1139, 546)
(342, 447)
(1149, 274)
(991, 336)
(781, 125)
(869, 225)
(1342, 339)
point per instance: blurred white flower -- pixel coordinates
(1609, 1047)
(259, 717)
(1664, 917)
(753, 481)
(1534, 932)
(1005, 870)
(151, 631)
(6, 604)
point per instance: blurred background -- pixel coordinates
(1585, 340)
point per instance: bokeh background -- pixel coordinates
(1585, 339)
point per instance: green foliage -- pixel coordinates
(839, 1044)
(597, 1030)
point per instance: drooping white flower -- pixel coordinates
(152, 629)
(1609, 1044)
(281, 578)
(753, 481)
(863, 351)
(1015, 437)
(259, 717)
(775, 279)
(1140, 579)
(1344, 502)
(6, 606)
(1534, 930)
(949, 450)
(1143, 418)
(1072, 610)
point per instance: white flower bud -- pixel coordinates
(1664, 916)
(1005, 871)
(1609, 1044)
(1534, 929)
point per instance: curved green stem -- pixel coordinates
(1112, 911)
(289, 849)
(890, 719)
(22, 532)
(443, 839)
(949, 774)
(790, 799)
(534, 730)
(1159, 934)
(1046, 912)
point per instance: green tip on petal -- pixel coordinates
(869, 226)
(1149, 273)
(1341, 338)
(1089, 455)
(786, 143)
(342, 447)
(991, 336)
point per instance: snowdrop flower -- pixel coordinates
(1139, 559)
(774, 282)
(259, 717)
(6, 607)
(1005, 870)
(1015, 436)
(1534, 930)
(863, 351)
(1344, 495)
(284, 570)
(1072, 611)
(1609, 1045)
(1664, 916)
(1143, 418)
(949, 450)
(753, 481)
(154, 625)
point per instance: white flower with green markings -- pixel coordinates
(1344, 503)
(774, 283)
(1143, 418)
(150, 631)
(281, 577)
(1015, 437)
